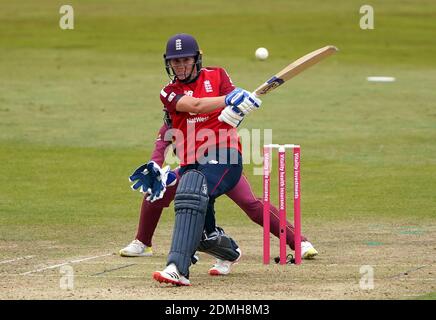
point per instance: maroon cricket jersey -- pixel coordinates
(195, 133)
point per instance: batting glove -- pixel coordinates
(236, 97)
(249, 104)
(228, 115)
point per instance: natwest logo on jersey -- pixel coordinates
(189, 92)
(197, 119)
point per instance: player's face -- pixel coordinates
(183, 67)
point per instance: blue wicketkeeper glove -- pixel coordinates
(164, 178)
(152, 180)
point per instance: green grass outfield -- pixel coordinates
(79, 109)
(430, 296)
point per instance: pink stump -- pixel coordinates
(297, 206)
(266, 204)
(282, 203)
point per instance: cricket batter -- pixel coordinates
(211, 162)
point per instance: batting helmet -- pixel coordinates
(179, 46)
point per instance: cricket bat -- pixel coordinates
(294, 68)
(290, 71)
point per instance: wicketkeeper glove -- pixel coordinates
(152, 180)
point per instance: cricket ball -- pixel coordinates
(261, 53)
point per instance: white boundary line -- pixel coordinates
(63, 264)
(16, 259)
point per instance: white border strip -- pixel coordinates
(16, 259)
(381, 79)
(65, 263)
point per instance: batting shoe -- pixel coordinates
(136, 249)
(222, 267)
(171, 275)
(308, 252)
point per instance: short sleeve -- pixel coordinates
(226, 85)
(169, 97)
